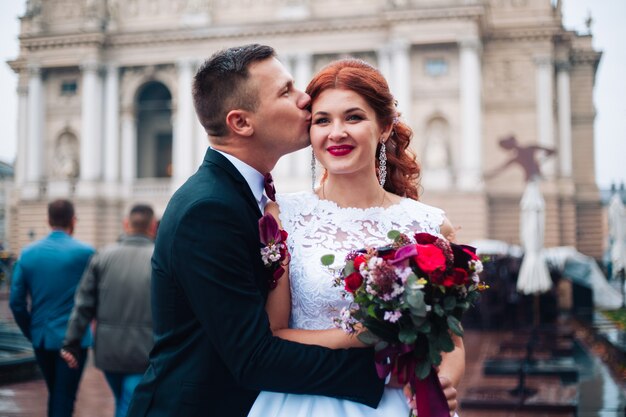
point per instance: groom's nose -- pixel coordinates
(304, 100)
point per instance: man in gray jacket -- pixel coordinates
(115, 291)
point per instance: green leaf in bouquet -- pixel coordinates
(438, 310)
(435, 355)
(385, 330)
(381, 345)
(328, 260)
(349, 268)
(422, 369)
(407, 336)
(449, 303)
(417, 320)
(444, 342)
(371, 310)
(455, 325)
(393, 234)
(473, 296)
(463, 305)
(415, 300)
(368, 337)
(425, 327)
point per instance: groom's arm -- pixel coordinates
(215, 262)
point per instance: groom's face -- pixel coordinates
(282, 118)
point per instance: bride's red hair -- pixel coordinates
(403, 171)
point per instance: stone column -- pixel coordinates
(183, 147)
(384, 63)
(112, 125)
(471, 114)
(129, 148)
(22, 135)
(303, 69)
(401, 76)
(36, 110)
(545, 117)
(91, 122)
(300, 161)
(565, 119)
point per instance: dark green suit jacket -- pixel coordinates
(213, 348)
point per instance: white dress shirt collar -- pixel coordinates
(254, 178)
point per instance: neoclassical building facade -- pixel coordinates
(106, 116)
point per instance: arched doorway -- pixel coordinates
(154, 131)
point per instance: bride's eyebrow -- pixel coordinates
(354, 109)
(350, 110)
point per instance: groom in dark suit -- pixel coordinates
(213, 348)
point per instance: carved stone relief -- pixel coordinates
(507, 78)
(58, 10)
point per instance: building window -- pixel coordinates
(68, 88)
(436, 67)
(154, 131)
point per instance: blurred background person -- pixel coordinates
(115, 291)
(48, 271)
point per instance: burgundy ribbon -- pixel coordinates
(429, 397)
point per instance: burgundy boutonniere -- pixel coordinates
(274, 253)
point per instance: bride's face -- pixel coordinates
(344, 132)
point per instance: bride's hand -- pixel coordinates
(450, 393)
(446, 385)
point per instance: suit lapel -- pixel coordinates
(215, 158)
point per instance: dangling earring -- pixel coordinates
(382, 164)
(313, 163)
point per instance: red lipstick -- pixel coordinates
(340, 150)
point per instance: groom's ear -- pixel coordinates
(240, 122)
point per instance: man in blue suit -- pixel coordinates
(49, 271)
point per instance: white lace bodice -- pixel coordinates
(320, 227)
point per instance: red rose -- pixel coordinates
(437, 277)
(353, 282)
(469, 252)
(448, 281)
(460, 276)
(425, 238)
(389, 256)
(429, 258)
(284, 235)
(358, 261)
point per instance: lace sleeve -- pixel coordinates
(429, 218)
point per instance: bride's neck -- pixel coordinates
(354, 191)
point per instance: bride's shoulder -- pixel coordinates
(428, 216)
(419, 207)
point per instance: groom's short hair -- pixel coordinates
(221, 85)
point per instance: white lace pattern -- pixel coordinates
(318, 227)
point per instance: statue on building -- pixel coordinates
(66, 156)
(33, 8)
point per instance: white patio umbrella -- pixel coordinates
(534, 277)
(617, 231)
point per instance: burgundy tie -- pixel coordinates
(269, 187)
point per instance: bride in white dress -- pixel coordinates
(354, 126)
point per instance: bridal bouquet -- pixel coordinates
(410, 296)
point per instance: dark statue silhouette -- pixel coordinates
(525, 156)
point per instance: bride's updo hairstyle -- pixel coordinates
(403, 171)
